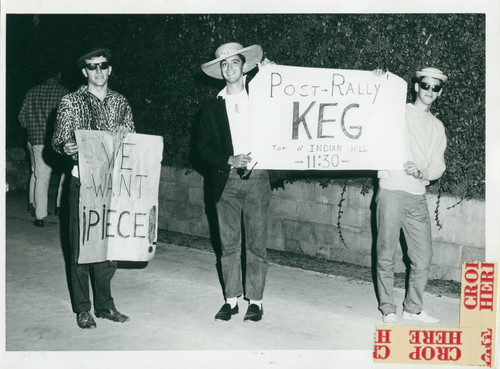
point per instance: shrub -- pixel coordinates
(158, 58)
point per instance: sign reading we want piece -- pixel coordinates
(326, 119)
(118, 210)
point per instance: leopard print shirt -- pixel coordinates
(83, 110)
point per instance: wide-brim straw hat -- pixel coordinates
(432, 72)
(253, 55)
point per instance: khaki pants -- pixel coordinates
(248, 199)
(39, 181)
(398, 210)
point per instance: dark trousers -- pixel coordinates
(250, 199)
(101, 273)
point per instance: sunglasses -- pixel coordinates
(242, 174)
(426, 86)
(101, 65)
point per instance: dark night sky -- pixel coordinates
(34, 44)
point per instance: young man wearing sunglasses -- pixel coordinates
(223, 146)
(401, 202)
(93, 106)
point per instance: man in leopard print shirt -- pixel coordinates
(93, 106)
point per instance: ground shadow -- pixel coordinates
(406, 259)
(64, 234)
(208, 200)
(373, 226)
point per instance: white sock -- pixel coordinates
(257, 302)
(232, 301)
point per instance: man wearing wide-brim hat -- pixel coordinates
(223, 145)
(401, 202)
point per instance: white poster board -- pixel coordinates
(118, 210)
(327, 119)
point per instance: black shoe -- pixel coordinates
(226, 312)
(38, 223)
(254, 314)
(112, 314)
(85, 320)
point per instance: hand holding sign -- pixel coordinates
(70, 148)
(240, 161)
(121, 132)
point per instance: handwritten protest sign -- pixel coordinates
(326, 119)
(118, 195)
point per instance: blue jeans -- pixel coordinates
(250, 199)
(396, 210)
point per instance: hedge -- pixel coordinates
(158, 57)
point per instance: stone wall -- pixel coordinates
(17, 168)
(181, 202)
(304, 220)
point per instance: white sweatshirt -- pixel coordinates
(426, 142)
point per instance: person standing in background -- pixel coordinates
(37, 111)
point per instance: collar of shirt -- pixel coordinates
(223, 93)
(85, 89)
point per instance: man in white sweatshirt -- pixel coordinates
(401, 201)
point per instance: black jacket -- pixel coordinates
(214, 145)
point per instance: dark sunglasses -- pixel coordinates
(101, 65)
(426, 86)
(241, 172)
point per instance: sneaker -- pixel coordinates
(421, 317)
(390, 318)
